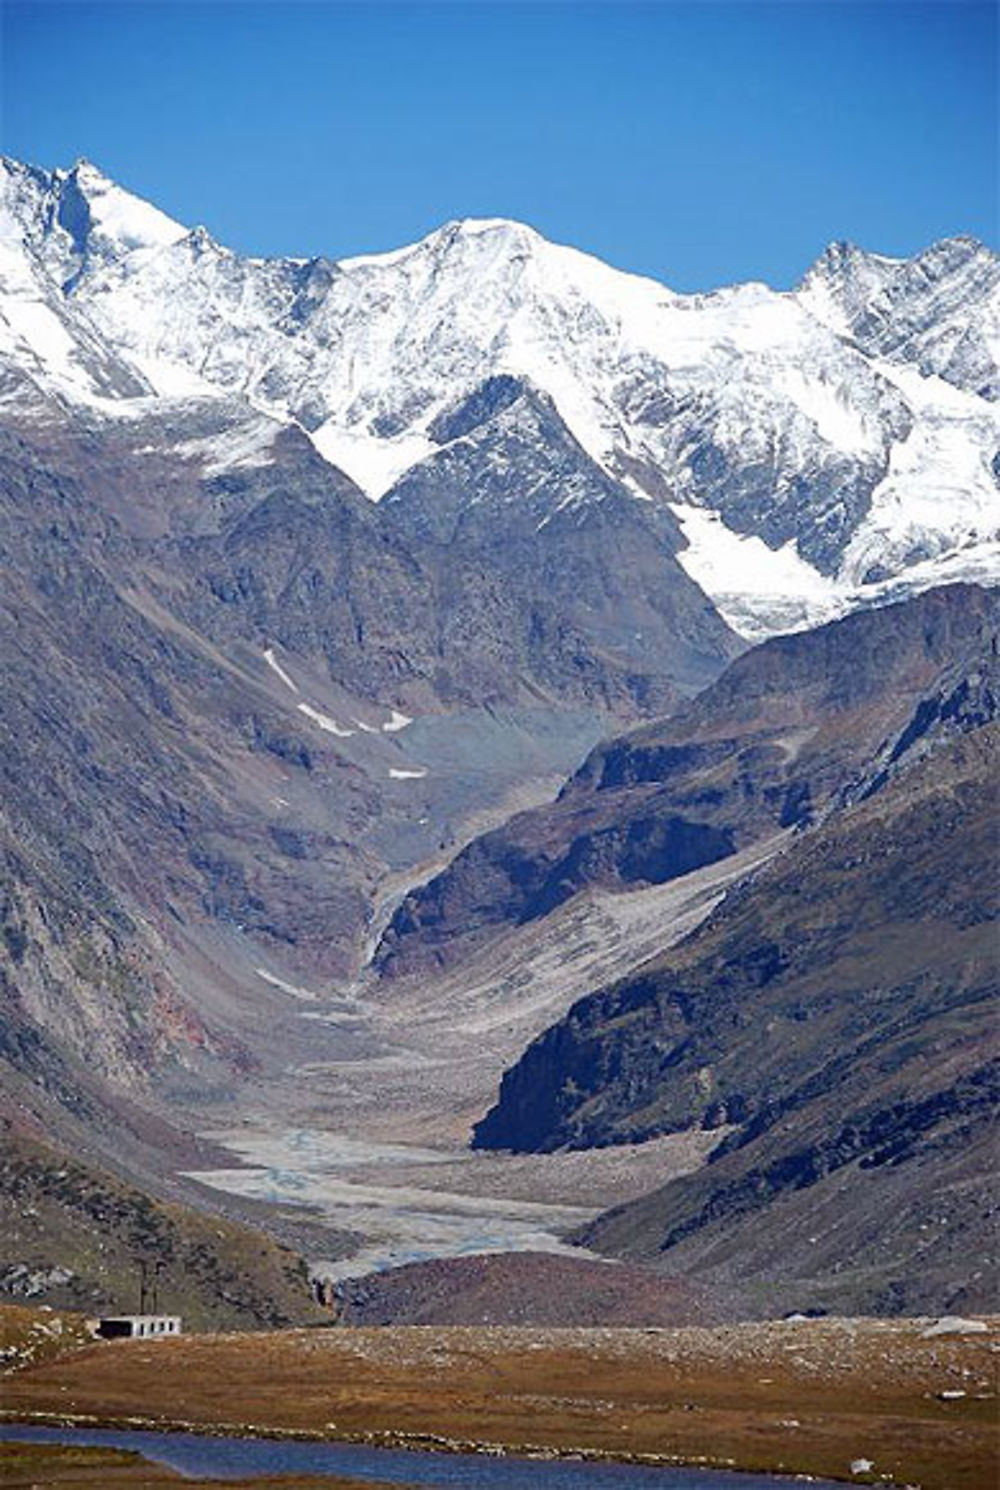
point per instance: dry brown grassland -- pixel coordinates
(806, 1397)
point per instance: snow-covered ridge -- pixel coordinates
(847, 428)
(78, 219)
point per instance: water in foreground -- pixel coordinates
(222, 1458)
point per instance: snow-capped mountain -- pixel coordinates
(820, 448)
(48, 343)
(920, 311)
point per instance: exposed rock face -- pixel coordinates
(867, 1173)
(546, 561)
(839, 1010)
(674, 1030)
(913, 311)
(791, 729)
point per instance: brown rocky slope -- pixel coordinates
(790, 730)
(840, 1011)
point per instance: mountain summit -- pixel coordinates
(79, 220)
(822, 448)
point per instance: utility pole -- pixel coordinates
(157, 1270)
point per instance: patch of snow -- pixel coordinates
(832, 407)
(325, 722)
(249, 445)
(39, 330)
(333, 1017)
(955, 1324)
(862, 1466)
(978, 564)
(939, 492)
(291, 988)
(397, 773)
(764, 592)
(927, 393)
(373, 464)
(396, 721)
(759, 590)
(276, 667)
(172, 379)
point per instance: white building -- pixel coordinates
(131, 1326)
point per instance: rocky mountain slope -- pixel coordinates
(315, 570)
(677, 1052)
(79, 1238)
(240, 697)
(843, 1015)
(837, 1011)
(791, 729)
(816, 445)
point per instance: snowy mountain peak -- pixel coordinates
(830, 437)
(842, 282)
(200, 241)
(502, 234)
(79, 220)
(949, 254)
(939, 311)
(842, 257)
(85, 170)
(459, 238)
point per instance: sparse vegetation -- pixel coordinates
(29, 1336)
(805, 1397)
(78, 1238)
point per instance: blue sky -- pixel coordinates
(702, 142)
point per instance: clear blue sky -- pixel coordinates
(699, 142)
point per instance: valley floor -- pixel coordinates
(373, 1137)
